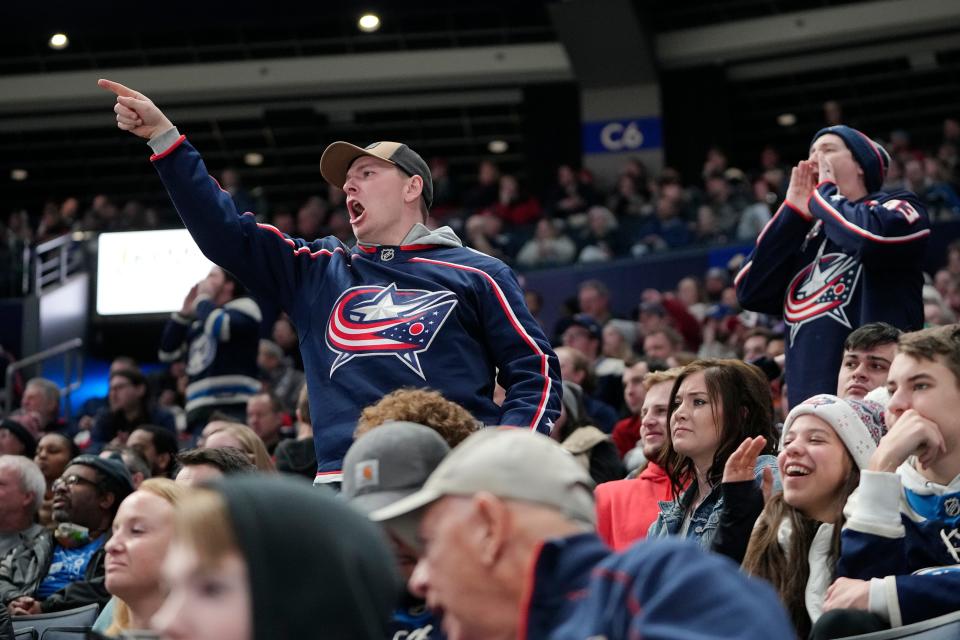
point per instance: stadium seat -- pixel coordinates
(946, 627)
(79, 617)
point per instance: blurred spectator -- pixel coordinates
(310, 218)
(231, 183)
(51, 224)
(627, 200)
(626, 432)
(265, 417)
(575, 367)
(136, 464)
(284, 221)
(128, 409)
(485, 233)
(484, 194)
(667, 231)
(279, 376)
(662, 343)
(240, 436)
(54, 453)
(714, 164)
(16, 440)
(23, 489)
(716, 281)
(586, 336)
(547, 248)
(689, 292)
(299, 455)
(618, 336)
(756, 216)
(285, 335)
(755, 344)
(445, 196)
(832, 113)
(601, 239)
(217, 330)
(206, 465)
(513, 206)
(158, 447)
(725, 204)
(43, 396)
(593, 297)
(590, 446)
(569, 195)
(772, 170)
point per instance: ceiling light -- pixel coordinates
(497, 146)
(369, 22)
(253, 159)
(59, 41)
(786, 119)
(19, 175)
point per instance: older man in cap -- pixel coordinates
(508, 551)
(839, 253)
(405, 307)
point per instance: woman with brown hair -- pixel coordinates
(796, 541)
(715, 406)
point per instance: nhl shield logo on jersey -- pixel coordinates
(823, 289)
(371, 321)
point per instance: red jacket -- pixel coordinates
(627, 508)
(626, 434)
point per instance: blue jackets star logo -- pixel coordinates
(822, 290)
(371, 321)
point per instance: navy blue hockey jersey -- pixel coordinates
(375, 319)
(847, 264)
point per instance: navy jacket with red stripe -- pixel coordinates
(846, 265)
(375, 319)
(656, 589)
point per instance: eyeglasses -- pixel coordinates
(72, 480)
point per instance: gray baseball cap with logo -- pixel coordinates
(338, 157)
(510, 463)
(390, 462)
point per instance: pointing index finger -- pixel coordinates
(117, 88)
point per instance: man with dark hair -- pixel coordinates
(839, 253)
(867, 355)
(218, 332)
(662, 343)
(586, 336)
(71, 574)
(408, 306)
(158, 447)
(202, 465)
(128, 408)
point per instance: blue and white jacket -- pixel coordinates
(220, 346)
(379, 318)
(847, 264)
(657, 589)
(903, 534)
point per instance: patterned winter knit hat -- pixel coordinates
(858, 423)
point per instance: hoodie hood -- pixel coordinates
(317, 568)
(421, 234)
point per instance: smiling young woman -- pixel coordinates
(796, 541)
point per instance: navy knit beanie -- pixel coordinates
(872, 158)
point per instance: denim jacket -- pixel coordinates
(706, 517)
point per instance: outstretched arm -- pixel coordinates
(136, 112)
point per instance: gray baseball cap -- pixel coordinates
(389, 463)
(510, 463)
(338, 157)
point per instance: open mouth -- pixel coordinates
(796, 470)
(355, 210)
